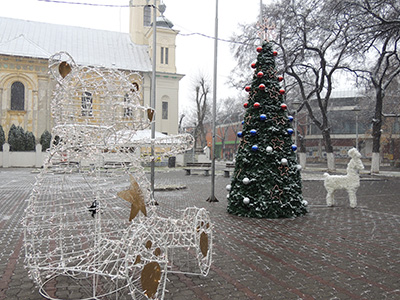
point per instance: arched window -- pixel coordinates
(17, 96)
(165, 110)
(127, 109)
(147, 15)
(87, 104)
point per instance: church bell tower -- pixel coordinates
(141, 32)
(167, 83)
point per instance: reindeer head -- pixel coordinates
(355, 162)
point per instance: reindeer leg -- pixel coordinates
(352, 198)
(330, 200)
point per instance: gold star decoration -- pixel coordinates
(284, 170)
(276, 193)
(135, 196)
(277, 143)
(271, 72)
(243, 143)
(279, 120)
(248, 119)
(273, 93)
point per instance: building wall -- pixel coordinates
(32, 73)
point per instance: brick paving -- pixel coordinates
(330, 253)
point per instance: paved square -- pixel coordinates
(330, 253)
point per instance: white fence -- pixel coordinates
(28, 159)
(35, 159)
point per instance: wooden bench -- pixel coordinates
(197, 167)
(229, 168)
(110, 165)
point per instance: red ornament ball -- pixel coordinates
(256, 105)
(280, 78)
(260, 74)
(275, 53)
(246, 105)
(253, 65)
(284, 106)
(281, 91)
(247, 88)
(259, 49)
(261, 87)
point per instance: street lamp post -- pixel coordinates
(356, 109)
(295, 106)
(212, 197)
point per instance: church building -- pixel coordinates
(25, 47)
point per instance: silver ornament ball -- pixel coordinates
(246, 181)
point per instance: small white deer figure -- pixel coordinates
(349, 182)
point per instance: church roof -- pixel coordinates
(87, 46)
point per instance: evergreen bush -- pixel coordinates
(45, 140)
(2, 138)
(30, 141)
(20, 140)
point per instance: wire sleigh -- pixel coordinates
(92, 230)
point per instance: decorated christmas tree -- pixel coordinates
(266, 182)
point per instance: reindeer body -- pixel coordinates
(349, 182)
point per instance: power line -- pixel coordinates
(91, 4)
(211, 37)
(202, 34)
(113, 5)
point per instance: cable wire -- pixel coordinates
(113, 5)
(92, 4)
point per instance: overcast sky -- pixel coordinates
(194, 53)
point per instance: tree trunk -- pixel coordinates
(326, 135)
(376, 131)
(303, 159)
(302, 152)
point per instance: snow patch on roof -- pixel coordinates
(93, 47)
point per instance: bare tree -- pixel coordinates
(376, 26)
(229, 116)
(313, 42)
(202, 90)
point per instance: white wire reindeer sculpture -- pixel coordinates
(91, 227)
(349, 182)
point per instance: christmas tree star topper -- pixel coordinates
(134, 195)
(266, 30)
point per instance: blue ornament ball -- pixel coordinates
(253, 132)
(263, 117)
(294, 147)
(290, 131)
(290, 118)
(240, 134)
(242, 122)
(254, 148)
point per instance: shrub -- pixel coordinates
(2, 137)
(30, 142)
(45, 140)
(16, 138)
(20, 140)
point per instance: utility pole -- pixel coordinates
(212, 197)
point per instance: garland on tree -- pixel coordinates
(266, 182)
